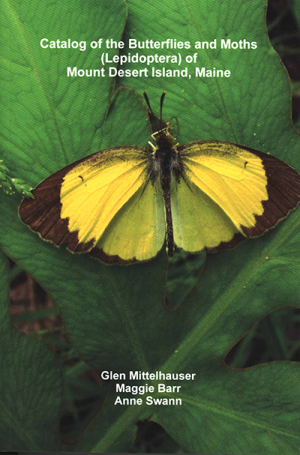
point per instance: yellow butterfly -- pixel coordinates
(124, 203)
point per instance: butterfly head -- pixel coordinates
(161, 130)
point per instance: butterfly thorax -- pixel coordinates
(166, 161)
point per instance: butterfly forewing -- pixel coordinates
(75, 205)
(93, 193)
(283, 188)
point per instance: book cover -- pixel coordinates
(158, 308)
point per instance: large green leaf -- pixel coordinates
(114, 315)
(30, 385)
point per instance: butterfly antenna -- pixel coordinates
(161, 103)
(148, 102)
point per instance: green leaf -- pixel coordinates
(30, 385)
(114, 315)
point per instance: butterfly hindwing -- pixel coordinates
(198, 222)
(137, 233)
(229, 192)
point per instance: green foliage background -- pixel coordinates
(114, 316)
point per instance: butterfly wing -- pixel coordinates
(229, 192)
(76, 205)
(137, 233)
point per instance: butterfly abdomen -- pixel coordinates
(166, 165)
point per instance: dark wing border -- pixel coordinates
(283, 188)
